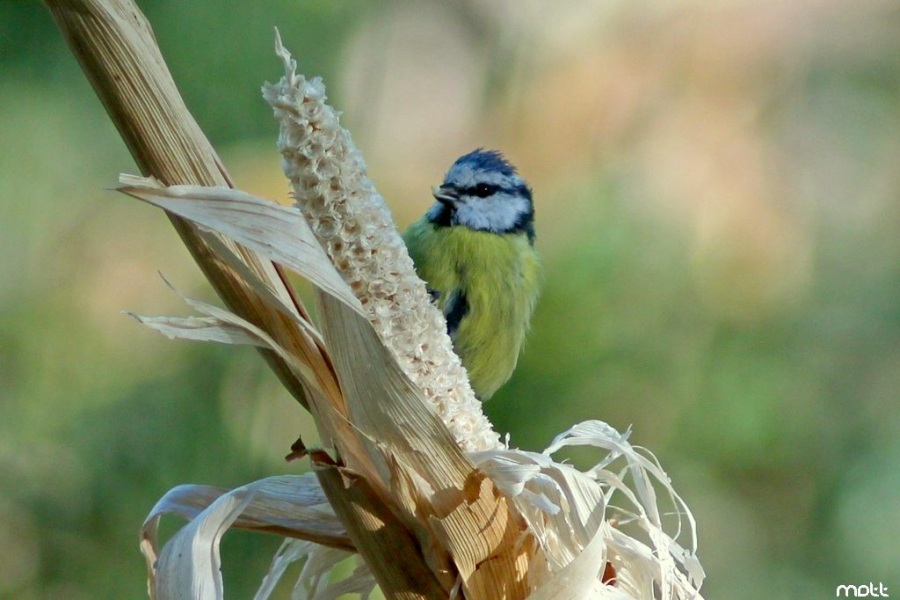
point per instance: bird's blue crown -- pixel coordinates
(486, 160)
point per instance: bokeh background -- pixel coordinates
(718, 203)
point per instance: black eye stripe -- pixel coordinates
(483, 190)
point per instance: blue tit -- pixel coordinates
(475, 250)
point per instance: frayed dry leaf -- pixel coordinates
(198, 329)
(317, 580)
(223, 251)
(290, 505)
(189, 564)
(566, 509)
(279, 233)
(579, 579)
(223, 327)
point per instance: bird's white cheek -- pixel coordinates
(468, 215)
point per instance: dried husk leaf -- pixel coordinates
(579, 580)
(189, 565)
(317, 580)
(199, 329)
(567, 509)
(279, 233)
(224, 327)
(289, 505)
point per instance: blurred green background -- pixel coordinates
(718, 204)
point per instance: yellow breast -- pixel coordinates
(499, 276)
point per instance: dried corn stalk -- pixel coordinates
(413, 481)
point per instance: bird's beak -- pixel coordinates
(445, 195)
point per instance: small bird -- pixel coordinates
(475, 250)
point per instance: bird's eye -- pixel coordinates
(483, 190)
